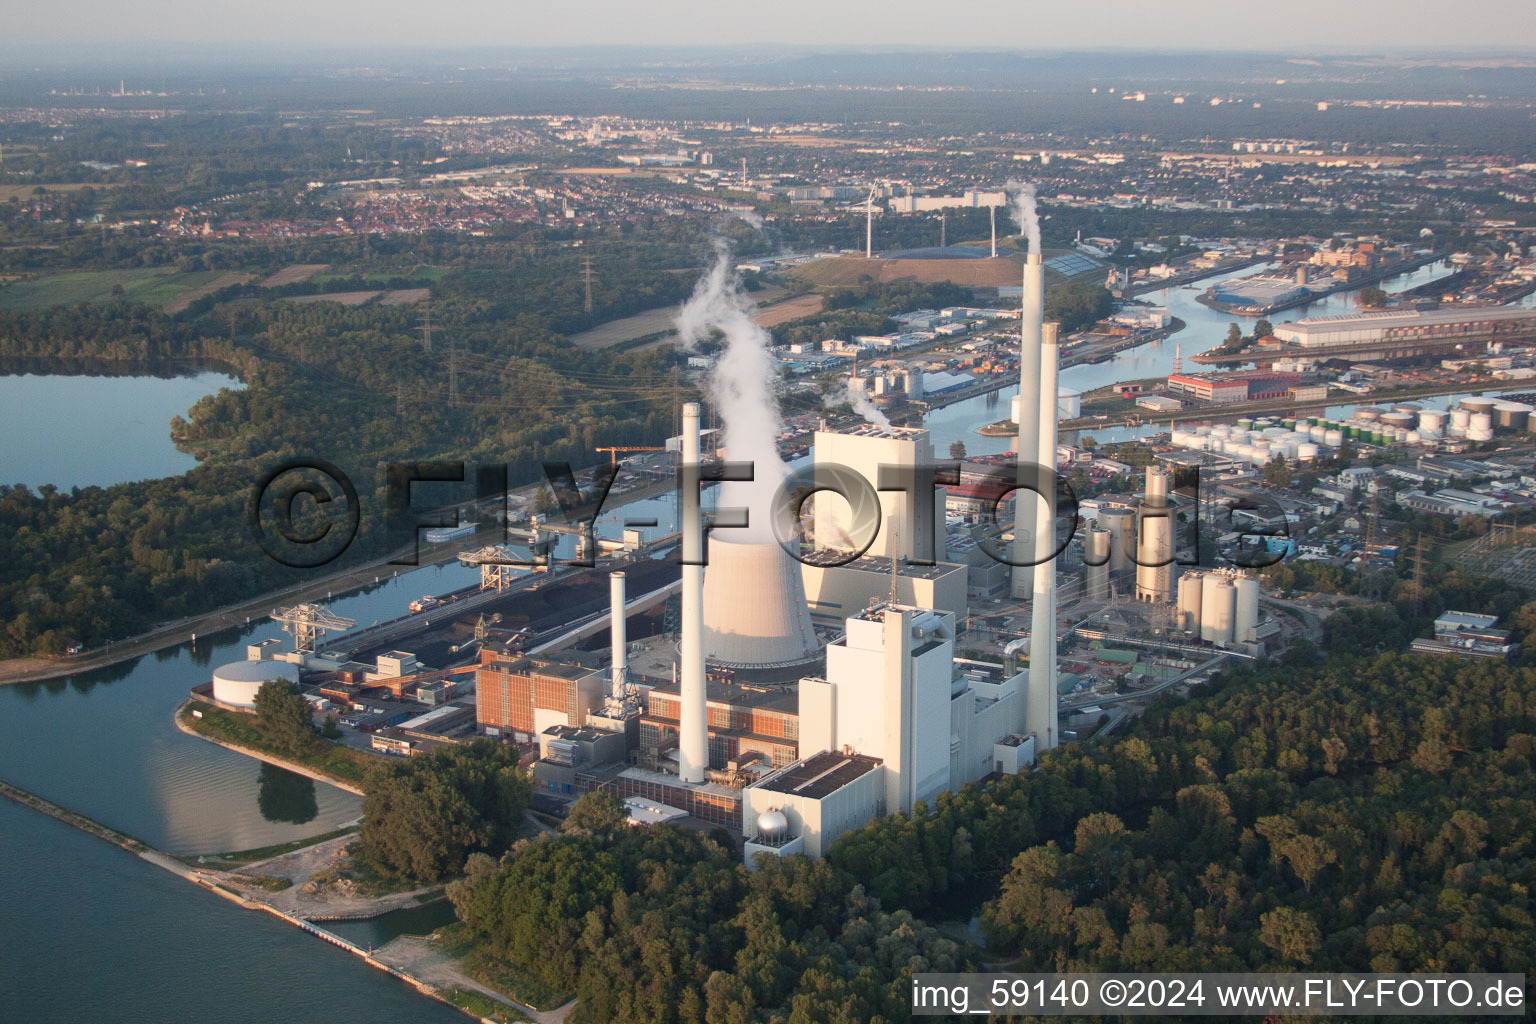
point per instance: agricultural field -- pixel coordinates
(150, 286)
(24, 192)
(844, 271)
(293, 274)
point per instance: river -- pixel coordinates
(83, 431)
(1205, 328)
(93, 933)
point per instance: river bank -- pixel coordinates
(446, 982)
(1365, 280)
(273, 759)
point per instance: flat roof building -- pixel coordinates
(1430, 324)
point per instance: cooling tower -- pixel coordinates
(755, 612)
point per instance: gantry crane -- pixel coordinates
(309, 621)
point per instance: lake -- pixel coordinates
(84, 431)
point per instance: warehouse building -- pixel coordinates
(1410, 325)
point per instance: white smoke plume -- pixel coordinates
(851, 393)
(1025, 212)
(741, 386)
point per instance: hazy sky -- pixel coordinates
(1025, 24)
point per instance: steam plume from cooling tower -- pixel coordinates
(1026, 213)
(850, 393)
(741, 387)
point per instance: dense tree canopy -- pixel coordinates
(283, 716)
(424, 815)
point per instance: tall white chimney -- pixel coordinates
(869, 225)
(993, 210)
(693, 739)
(1031, 312)
(616, 631)
(1041, 713)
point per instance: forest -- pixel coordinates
(1354, 814)
(352, 385)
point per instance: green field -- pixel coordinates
(151, 286)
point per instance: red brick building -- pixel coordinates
(519, 697)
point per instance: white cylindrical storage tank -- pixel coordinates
(1318, 434)
(1119, 523)
(1414, 437)
(1246, 623)
(1398, 419)
(1154, 552)
(1306, 452)
(1157, 485)
(1218, 610)
(1461, 419)
(1096, 550)
(914, 384)
(1333, 438)
(236, 684)
(1190, 587)
(1367, 414)
(1481, 423)
(1431, 421)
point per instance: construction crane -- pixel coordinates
(613, 452)
(307, 622)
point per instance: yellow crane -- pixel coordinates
(613, 452)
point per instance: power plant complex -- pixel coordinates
(798, 686)
(803, 696)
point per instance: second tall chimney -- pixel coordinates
(1031, 313)
(693, 732)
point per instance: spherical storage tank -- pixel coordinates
(772, 825)
(236, 684)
